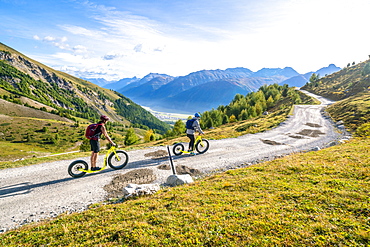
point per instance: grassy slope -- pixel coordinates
(309, 199)
(27, 137)
(342, 84)
(351, 88)
(354, 111)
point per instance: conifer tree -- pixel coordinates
(179, 127)
(131, 138)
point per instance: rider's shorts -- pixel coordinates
(95, 146)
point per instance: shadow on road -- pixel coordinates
(25, 188)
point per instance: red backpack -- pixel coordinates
(90, 132)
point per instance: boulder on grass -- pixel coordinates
(175, 180)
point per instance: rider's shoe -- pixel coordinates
(192, 153)
(95, 168)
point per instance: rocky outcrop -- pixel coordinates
(34, 70)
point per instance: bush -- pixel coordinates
(85, 146)
(131, 138)
(363, 130)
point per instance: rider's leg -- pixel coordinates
(95, 148)
(191, 142)
(94, 157)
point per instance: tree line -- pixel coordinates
(243, 107)
(252, 105)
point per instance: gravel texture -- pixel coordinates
(30, 194)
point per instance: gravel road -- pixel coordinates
(29, 194)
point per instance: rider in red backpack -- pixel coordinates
(94, 142)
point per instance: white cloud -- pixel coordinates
(81, 31)
(63, 39)
(49, 38)
(112, 56)
(80, 49)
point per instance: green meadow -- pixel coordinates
(306, 199)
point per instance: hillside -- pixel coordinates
(29, 89)
(67, 95)
(351, 88)
(344, 83)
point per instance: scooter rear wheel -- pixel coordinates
(178, 149)
(74, 169)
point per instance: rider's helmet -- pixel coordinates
(197, 115)
(104, 118)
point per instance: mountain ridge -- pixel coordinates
(177, 93)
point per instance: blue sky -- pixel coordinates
(115, 39)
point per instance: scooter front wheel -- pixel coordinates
(178, 149)
(118, 160)
(202, 146)
(76, 167)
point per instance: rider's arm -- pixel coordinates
(104, 131)
(197, 127)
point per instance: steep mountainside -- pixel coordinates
(66, 95)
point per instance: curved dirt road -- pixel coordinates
(31, 193)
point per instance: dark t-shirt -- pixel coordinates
(98, 130)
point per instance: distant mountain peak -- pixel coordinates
(328, 70)
(268, 72)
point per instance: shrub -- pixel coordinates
(131, 138)
(85, 146)
(363, 130)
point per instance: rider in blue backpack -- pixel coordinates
(192, 125)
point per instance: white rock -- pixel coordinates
(140, 189)
(175, 180)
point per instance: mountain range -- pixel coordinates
(203, 90)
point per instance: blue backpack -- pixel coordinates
(189, 124)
